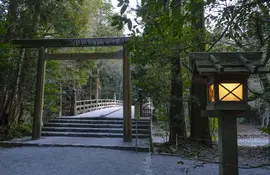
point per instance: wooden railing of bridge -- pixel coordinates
(146, 112)
(84, 106)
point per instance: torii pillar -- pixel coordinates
(38, 110)
(127, 129)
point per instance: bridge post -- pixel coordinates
(73, 103)
(114, 97)
(140, 100)
(83, 106)
(127, 129)
(38, 110)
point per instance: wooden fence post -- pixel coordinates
(38, 110)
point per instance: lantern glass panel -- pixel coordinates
(230, 92)
(211, 93)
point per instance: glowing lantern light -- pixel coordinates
(227, 92)
(230, 92)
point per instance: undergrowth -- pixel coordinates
(15, 131)
(266, 130)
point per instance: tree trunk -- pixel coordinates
(176, 114)
(199, 126)
(17, 96)
(8, 80)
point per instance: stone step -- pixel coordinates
(92, 130)
(99, 135)
(83, 125)
(89, 121)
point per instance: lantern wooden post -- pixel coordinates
(38, 110)
(227, 141)
(127, 129)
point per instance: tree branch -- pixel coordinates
(223, 33)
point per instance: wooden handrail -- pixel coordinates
(84, 106)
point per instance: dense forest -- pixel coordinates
(163, 32)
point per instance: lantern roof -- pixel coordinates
(208, 63)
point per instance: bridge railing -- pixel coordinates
(84, 106)
(147, 112)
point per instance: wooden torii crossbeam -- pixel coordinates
(85, 56)
(80, 42)
(71, 42)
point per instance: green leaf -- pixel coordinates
(119, 4)
(123, 9)
(120, 26)
(114, 23)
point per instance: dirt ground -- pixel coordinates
(243, 130)
(247, 130)
(248, 156)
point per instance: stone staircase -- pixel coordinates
(98, 127)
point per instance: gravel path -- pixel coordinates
(94, 161)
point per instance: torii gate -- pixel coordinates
(42, 44)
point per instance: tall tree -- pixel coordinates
(163, 43)
(176, 116)
(199, 126)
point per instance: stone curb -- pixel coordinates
(20, 144)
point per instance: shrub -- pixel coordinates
(18, 130)
(213, 122)
(161, 114)
(266, 130)
(3, 133)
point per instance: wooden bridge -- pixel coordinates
(85, 106)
